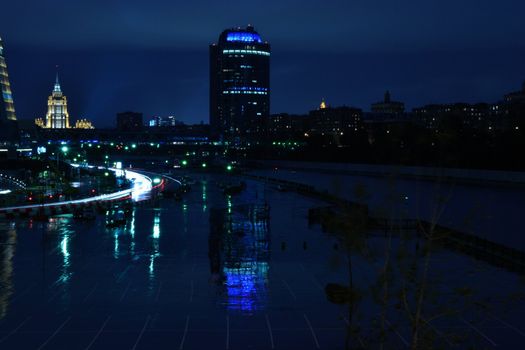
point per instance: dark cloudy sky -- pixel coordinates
(152, 56)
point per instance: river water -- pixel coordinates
(201, 273)
(490, 211)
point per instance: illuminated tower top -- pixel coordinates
(57, 116)
(7, 107)
(57, 90)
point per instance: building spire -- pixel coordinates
(57, 84)
(387, 96)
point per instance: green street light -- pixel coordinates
(229, 167)
(204, 165)
(64, 149)
(184, 162)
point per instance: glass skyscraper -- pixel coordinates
(239, 84)
(8, 124)
(7, 110)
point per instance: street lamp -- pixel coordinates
(64, 150)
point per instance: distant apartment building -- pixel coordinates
(516, 96)
(385, 115)
(473, 116)
(162, 122)
(328, 120)
(129, 121)
(388, 107)
(284, 125)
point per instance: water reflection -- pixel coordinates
(132, 233)
(7, 252)
(121, 239)
(185, 216)
(116, 250)
(156, 224)
(156, 248)
(239, 253)
(204, 196)
(61, 225)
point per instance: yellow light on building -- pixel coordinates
(57, 116)
(40, 122)
(84, 124)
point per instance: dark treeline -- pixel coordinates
(452, 146)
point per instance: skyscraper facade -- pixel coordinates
(57, 116)
(8, 123)
(239, 84)
(129, 121)
(7, 110)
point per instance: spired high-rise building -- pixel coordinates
(57, 116)
(239, 84)
(8, 123)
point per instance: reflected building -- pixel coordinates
(239, 253)
(239, 83)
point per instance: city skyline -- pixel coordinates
(279, 174)
(348, 54)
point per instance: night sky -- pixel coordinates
(152, 56)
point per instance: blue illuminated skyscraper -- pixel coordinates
(8, 123)
(239, 84)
